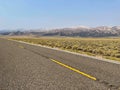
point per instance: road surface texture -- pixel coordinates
(28, 67)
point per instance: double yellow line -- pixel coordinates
(75, 70)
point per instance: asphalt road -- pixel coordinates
(28, 67)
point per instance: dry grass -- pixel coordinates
(100, 47)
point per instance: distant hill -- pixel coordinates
(82, 31)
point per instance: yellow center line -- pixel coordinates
(75, 70)
(21, 46)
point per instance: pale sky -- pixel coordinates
(35, 14)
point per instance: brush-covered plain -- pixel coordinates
(108, 48)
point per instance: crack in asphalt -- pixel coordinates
(110, 86)
(37, 53)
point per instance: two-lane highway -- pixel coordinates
(29, 67)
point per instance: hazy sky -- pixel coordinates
(30, 14)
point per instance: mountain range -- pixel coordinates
(81, 31)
